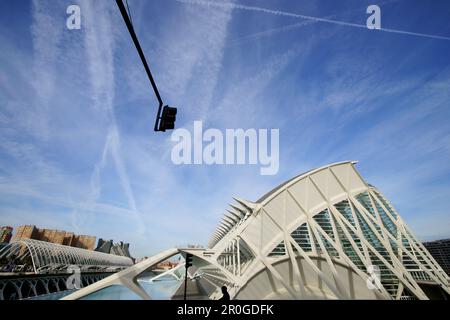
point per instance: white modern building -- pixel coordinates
(325, 234)
(43, 257)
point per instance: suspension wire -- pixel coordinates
(129, 13)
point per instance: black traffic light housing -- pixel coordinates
(167, 119)
(188, 260)
(188, 263)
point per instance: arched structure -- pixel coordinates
(42, 257)
(29, 287)
(325, 234)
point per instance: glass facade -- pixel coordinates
(375, 220)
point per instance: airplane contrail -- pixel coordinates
(296, 25)
(230, 5)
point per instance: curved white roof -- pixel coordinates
(47, 254)
(243, 208)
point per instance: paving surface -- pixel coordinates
(194, 291)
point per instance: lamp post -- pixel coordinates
(188, 263)
(161, 123)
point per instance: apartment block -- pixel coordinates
(5, 234)
(55, 236)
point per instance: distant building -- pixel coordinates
(104, 246)
(5, 234)
(119, 249)
(84, 241)
(166, 265)
(25, 232)
(440, 250)
(55, 236)
(137, 260)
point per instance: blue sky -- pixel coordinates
(77, 147)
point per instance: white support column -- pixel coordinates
(238, 239)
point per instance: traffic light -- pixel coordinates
(188, 260)
(168, 117)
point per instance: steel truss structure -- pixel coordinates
(325, 234)
(46, 257)
(33, 286)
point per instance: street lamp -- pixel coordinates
(163, 122)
